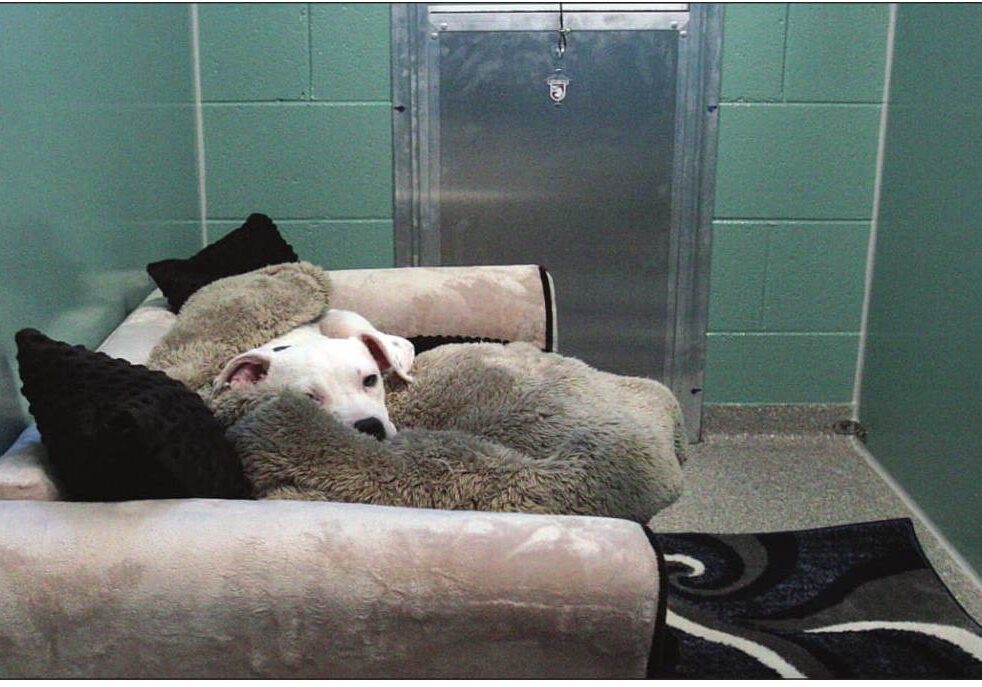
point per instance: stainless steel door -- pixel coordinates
(602, 189)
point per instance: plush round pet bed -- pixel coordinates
(484, 426)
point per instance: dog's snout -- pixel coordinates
(372, 426)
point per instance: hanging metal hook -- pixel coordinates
(561, 43)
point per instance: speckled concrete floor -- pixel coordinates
(772, 472)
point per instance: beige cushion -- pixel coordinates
(22, 471)
(204, 588)
(507, 302)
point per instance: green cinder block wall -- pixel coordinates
(801, 96)
(97, 169)
(297, 124)
(97, 159)
(920, 399)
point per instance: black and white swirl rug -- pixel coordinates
(848, 601)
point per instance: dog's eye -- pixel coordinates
(315, 397)
(370, 380)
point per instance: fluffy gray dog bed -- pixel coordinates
(483, 427)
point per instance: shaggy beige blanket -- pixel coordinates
(483, 427)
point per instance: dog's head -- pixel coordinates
(342, 375)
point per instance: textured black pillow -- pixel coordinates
(255, 244)
(116, 431)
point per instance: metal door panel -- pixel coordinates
(611, 190)
(583, 188)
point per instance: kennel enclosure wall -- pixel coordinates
(610, 189)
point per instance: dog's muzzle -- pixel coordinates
(372, 426)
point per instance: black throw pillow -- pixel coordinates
(116, 431)
(255, 244)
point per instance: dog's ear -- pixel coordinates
(247, 368)
(392, 353)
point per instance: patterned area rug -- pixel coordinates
(850, 601)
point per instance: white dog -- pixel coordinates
(337, 360)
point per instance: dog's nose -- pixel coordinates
(372, 426)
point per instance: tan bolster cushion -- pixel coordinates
(506, 303)
(208, 588)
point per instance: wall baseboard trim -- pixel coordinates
(770, 418)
